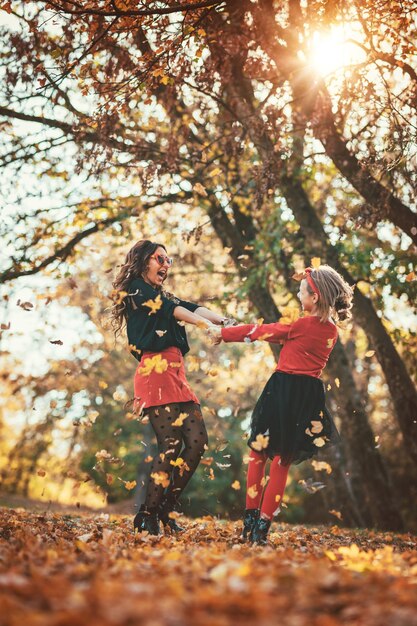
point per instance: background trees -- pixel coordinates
(260, 135)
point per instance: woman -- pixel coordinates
(157, 339)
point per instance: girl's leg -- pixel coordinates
(254, 485)
(274, 490)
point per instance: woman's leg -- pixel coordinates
(169, 439)
(255, 478)
(274, 490)
(195, 439)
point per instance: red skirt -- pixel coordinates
(160, 379)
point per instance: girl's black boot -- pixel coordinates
(139, 519)
(260, 531)
(146, 520)
(250, 518)
(166, 507)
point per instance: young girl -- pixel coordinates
(290, 422)
(157, 339)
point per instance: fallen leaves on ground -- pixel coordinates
(91, 570)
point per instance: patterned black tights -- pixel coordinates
(175, 425)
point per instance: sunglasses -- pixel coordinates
(161, 259)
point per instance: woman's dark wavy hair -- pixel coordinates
(135, 265)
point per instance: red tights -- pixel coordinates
(274, 490)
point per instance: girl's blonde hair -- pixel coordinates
(335, 294)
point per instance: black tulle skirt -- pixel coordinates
(291, 420)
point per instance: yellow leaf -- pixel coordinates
(319, 442)
(215, 172)
(236, 485)
(315, 262)
(252, 492)
(156, 363)
(178, 462)
(165, 80)
(370, 353)
(337, 382)
(180, 419)
(154, 305)
(316, 427)
(160, 478)
(321, 465)
(260, 442)
(198, 187)
(130, 484)
(336, 514)
(330, 342)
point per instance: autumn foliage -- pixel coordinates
(60, 569)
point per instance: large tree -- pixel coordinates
(219, 102)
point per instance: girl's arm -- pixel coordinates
(273, 333)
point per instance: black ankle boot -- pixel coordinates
(260, 531)
(250, 518)
(165, 508)
(146, 520)
(139, 518)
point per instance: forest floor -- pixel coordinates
(71, 568)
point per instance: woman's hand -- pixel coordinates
(229, 321)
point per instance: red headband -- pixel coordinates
(311, 282)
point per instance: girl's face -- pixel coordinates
(308, 300)
(158, 266)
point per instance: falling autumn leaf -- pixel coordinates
(298, 276)
(109, 479)
(235, 485)
(155, 363)
(369, 353)
(26, 306)
(315, 262)
(198, 187)
(180, 419)
(129, 484)
(160, 478)
(321, 465)
(319, 442)
(153, 305)
(252, 492)
(56, 342)
(261, 442)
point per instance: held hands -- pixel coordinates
(214, 334)
(229, 321)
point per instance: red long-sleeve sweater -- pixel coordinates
(307, 343)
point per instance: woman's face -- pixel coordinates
(308, 300)
(158, 266)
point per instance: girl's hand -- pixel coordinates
(215, 335)
(229, 321)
